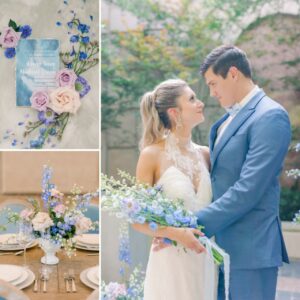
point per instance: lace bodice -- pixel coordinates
(177, 179)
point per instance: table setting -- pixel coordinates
(52, 252)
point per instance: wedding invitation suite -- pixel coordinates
(36, 67)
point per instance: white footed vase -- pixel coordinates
(50, 248)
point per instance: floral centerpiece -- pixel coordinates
(60, 219)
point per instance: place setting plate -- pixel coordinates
(18, 276)
(90, 277)
(8, 242)
(88, 242)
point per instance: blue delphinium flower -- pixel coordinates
(85, 39)
(58, 23)
(82, 55)
(124, 251)
(74, 38)
(69, 66)
(153, 226)
(170, 219)
(26, 31)
(83, 28)
(10, 52)
(82, 86)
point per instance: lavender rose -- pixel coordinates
(41, 221)
(66, 77)
(64, 99)
(9, 38)
(40, 100)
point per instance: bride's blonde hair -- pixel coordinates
(154, 106)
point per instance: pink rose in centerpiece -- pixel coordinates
(9, 38)
(26, 213)
(57, 194)
(83, 224)
(40, 100)
(59, 209)
(64, 99)
(66, 77)
(41, 221)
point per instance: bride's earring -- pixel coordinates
(178, 123)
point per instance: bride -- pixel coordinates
(170, 158)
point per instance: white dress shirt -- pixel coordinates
(242, 103)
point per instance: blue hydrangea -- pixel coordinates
(153, 226)
(10, 52)
(26, 31)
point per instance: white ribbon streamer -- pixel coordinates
(209, 268)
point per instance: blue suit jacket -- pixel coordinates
(245, 168)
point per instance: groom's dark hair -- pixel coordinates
(224, 57)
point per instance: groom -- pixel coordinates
(247, 148)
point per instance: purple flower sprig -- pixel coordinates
(49, 124)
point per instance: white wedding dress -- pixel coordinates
(175, 273)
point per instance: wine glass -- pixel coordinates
(25, 237)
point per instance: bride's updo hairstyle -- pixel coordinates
(154, 106)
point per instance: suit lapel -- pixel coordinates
(235, 124)
(214, 130)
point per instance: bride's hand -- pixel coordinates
(186, 237)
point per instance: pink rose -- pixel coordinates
(83, 224)
(41, 221)
(9, 38)
(66, 77)
(59, 209)
(26, 213)
(64, 99)
(40, 100)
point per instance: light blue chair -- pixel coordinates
(15, 205)
(93, 213)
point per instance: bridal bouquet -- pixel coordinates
(60, 219)
(139, 203)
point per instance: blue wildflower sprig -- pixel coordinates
(84, 52)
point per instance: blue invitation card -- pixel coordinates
(36, 67)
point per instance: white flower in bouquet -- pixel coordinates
(41, 222)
